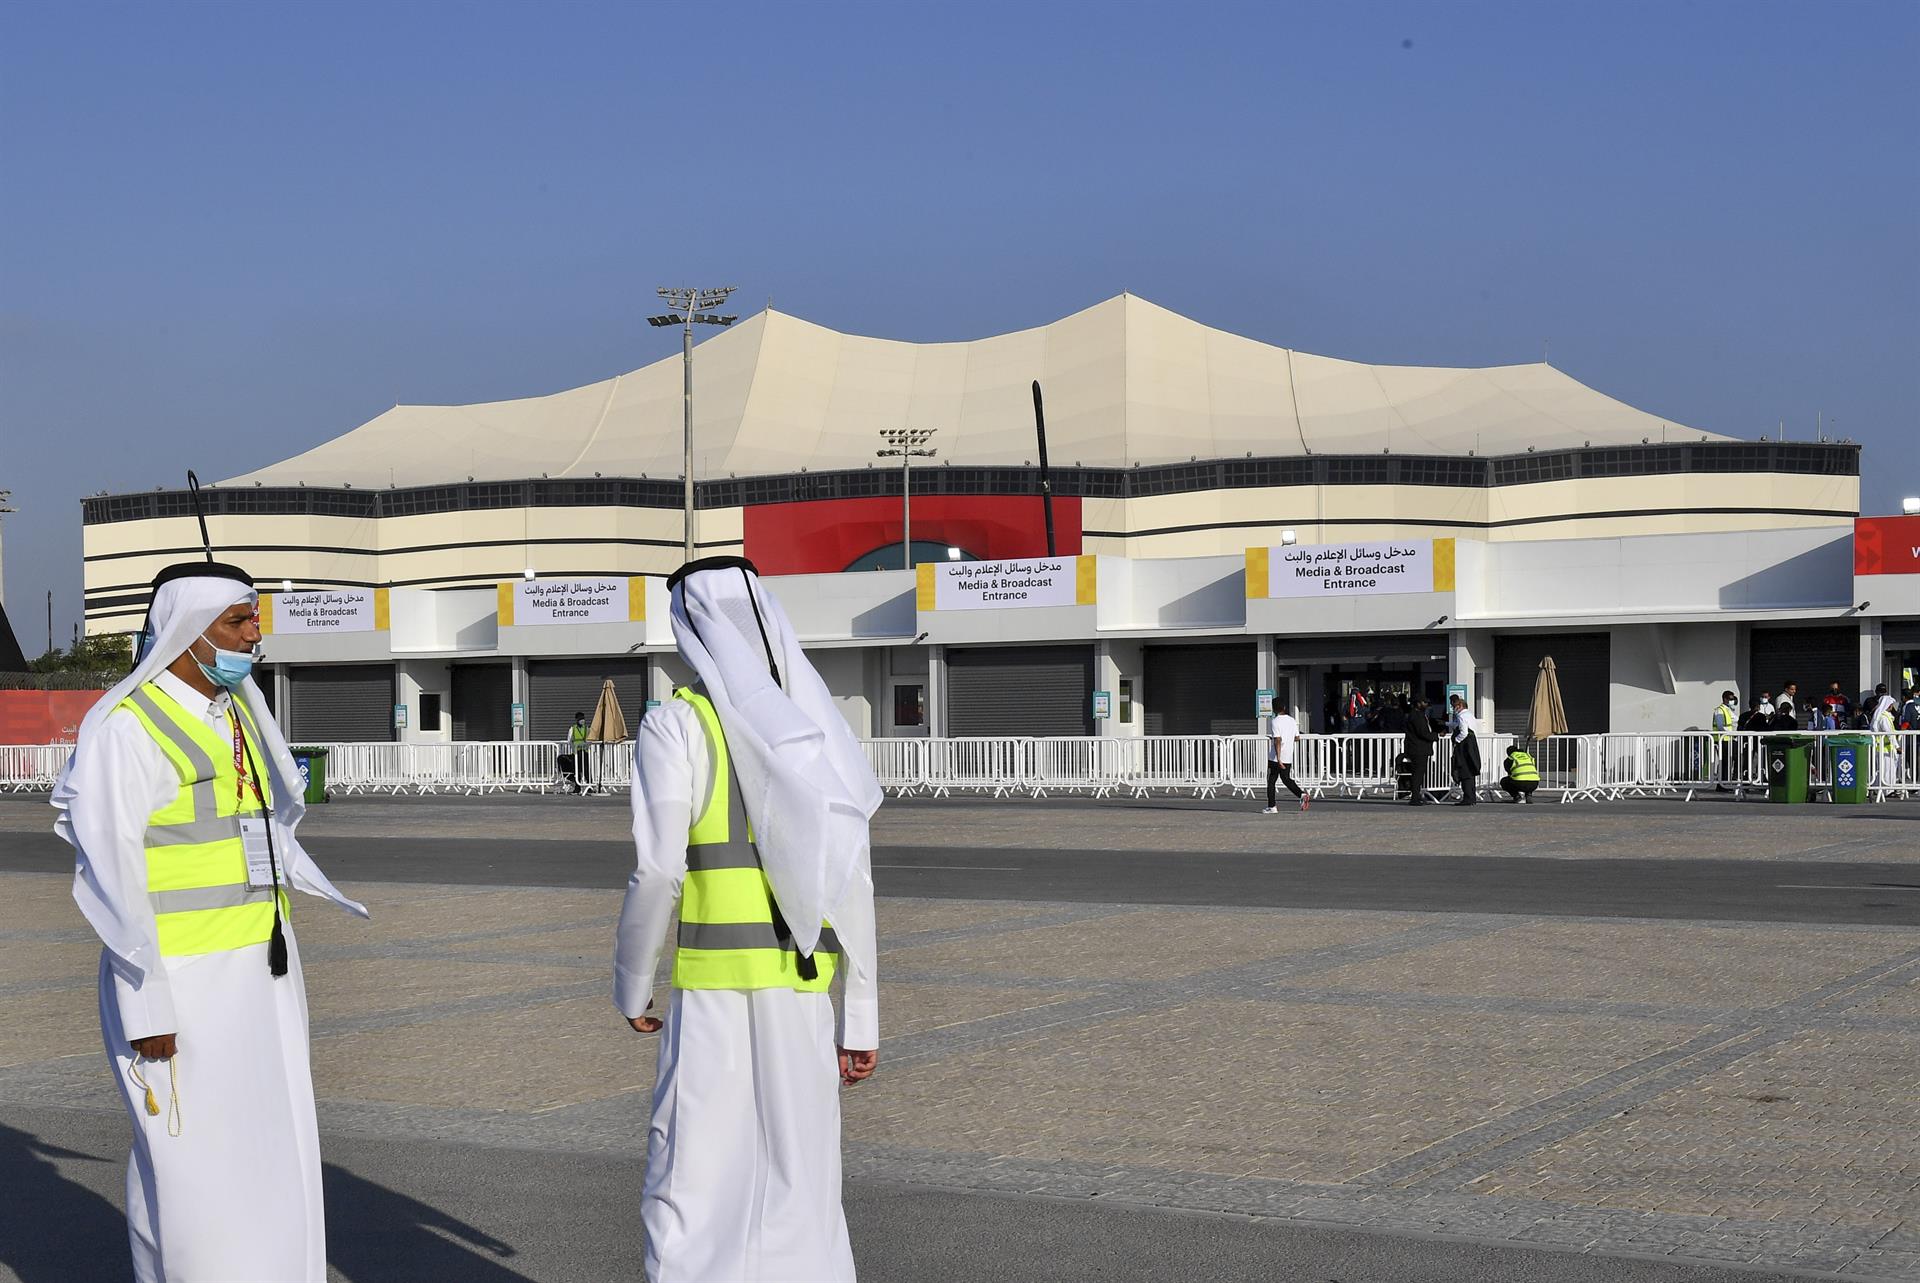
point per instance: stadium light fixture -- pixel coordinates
(906, 445)
(286, 585)
(691, 307)
(527, 573)
(1910, 505)
(953, 553)
(1288, 536)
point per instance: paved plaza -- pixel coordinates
(1689, 1090)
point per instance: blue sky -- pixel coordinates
(228, 232)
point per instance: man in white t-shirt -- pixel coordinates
(1280, 762)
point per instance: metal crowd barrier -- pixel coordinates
(32, 767)
(1572, 767)
(899, 764)
(984, 763)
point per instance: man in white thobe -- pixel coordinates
(1883, 722)
(181, 801)
(751, 799)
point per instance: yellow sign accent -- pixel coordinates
(505, 608)
(1258, 578)
(923, 586)
(1443, 565)
(382, 619)
(266, 613)
(636, 598)
(1086, 580)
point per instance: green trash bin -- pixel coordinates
(1849, 767)
(1789, 767)
(312, 763)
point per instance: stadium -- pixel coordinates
(1655, 562)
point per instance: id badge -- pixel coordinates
(253, 840)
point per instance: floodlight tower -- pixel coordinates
(906, 445)
(691, 307)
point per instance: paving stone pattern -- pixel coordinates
(1706, 1091)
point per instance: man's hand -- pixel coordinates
(158, 1047)
(857, 1066)
(645, 1024)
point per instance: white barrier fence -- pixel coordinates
(35, 767)
(1572, 767)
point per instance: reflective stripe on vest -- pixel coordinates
(1520, 768)
(731, 935)
(1729, 716)
(196, 865)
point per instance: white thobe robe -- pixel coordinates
(1886, 744)
(235, 1197)
(743, 1153)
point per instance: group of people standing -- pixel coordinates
(1459, 732)
(751, 804)
(1426, 731)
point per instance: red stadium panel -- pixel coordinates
(830, 534)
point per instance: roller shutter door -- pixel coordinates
(483, 701)
(341, 703)
(1900, 634)
(1200, 690)
(559, 688)
(1020, 690)
(1583, 662)
(1811, 656)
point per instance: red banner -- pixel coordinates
(1886, 546)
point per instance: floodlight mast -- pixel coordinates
(906, 445)
(691, 307)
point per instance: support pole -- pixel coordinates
(686, 406)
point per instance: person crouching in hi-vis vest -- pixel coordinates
(181, 800)
(751, 800)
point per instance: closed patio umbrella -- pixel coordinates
(1549, 715)
(609, 724)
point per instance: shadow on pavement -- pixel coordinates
(55, 1230)
(374, 1233)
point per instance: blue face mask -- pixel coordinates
(229, 667)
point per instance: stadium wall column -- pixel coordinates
(415, 678)
(1266, 674)
(1664, 677)
(937, 691)
(520, 689)
(1470, 662)
(1873, 656)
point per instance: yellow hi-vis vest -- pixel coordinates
(1726, 718)
(731, 933)
(196, 865)
(1520, 768)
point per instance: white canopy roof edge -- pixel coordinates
(1126, 382)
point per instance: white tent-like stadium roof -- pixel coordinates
(1126, 383)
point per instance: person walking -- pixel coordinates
(181, 801)
(1466, 753)
(1726, 720)
(751, 802)
(1522, 776)
(1418, 747)
(1285, 733)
